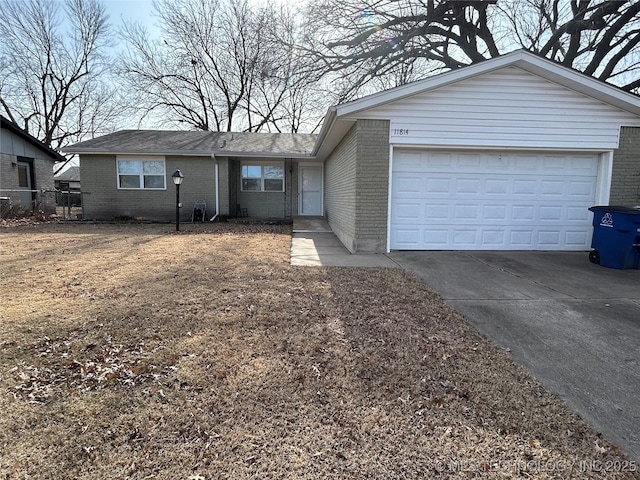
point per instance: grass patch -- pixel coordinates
(131, 351)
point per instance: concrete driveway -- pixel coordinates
(574, 325)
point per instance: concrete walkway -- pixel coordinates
(313, 244)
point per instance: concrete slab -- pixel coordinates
(310, 224)
(323, 249)
(574, 325)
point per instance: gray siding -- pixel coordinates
(625, 179)
(13, 147)
(340, 189)
(104, 201)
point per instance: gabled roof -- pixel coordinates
(71, 174)
(12, 127)
(171, 142)
(340, 118)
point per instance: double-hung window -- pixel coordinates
(146, 174)
(263, 177)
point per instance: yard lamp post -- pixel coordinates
(177, 180)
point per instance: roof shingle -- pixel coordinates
(198, 143)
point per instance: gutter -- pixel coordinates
(213, 156)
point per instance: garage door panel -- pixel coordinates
(550, 214)
(577, 238)
(578, 214)
(470, 200)
(493, 212)
(467, 186)
(548, 238)
(493, 238)
(520, 239)
(496, 186)
(407, 185)
(581, 190)
(436, 212)
(408, 212)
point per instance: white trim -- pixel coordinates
(406, 146)
(217, 185)
(605, 173)
(389, 178)
(300, 167)
(141, 158)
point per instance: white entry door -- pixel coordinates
(310, 190)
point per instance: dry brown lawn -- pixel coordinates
(130, 351)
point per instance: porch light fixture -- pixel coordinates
(177, 178)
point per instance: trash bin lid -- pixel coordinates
(634, 210)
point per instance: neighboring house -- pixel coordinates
(68, 180)
(507, 154)
(26, 169)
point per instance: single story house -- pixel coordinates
(26, 169)
(68, 180)
(506, 154)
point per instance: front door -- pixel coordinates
(310, 190)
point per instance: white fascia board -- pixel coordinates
(331, 133)
(580, 83)
(327, 124)
(339, 129)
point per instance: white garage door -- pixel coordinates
(492, 200)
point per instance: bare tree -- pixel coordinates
(599, 38)
(52, 62)
(284, 97)
(217, 67)
(403, 39)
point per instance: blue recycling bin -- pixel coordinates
(616, 236)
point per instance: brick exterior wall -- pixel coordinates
(102, 199)
(372, 186)
(223, 182)
(357, 186)
(279, 205)
(625, 179)
(340, 189)
(45, 199)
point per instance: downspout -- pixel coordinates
(213, 156)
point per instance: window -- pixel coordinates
(262, 178)
(23, 176)
(25, 170)
(141, 174)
